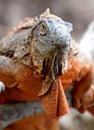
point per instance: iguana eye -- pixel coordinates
(43, 29)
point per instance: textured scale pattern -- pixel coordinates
(22, 81)
(24, 55)
(68, 79)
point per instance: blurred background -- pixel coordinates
(80, 13)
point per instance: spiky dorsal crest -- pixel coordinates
(47, 14)
(27, 23)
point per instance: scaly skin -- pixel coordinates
(31, 65)
(80, 69)
(20, 79)
(31, 60)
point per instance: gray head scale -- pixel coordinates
(50, 44)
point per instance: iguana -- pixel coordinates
(36, 59)
(31, 60)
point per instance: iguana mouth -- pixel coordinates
(54, 66)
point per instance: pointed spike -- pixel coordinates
(47, 11)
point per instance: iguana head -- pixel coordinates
(50, 44)
(47, 41)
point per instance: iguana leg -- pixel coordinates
(2, 87)
(7, 74)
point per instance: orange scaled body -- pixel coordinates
(80, 75)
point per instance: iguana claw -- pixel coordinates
(2, 87)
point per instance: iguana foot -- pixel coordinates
(2, 87)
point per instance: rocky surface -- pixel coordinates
(77, 121)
